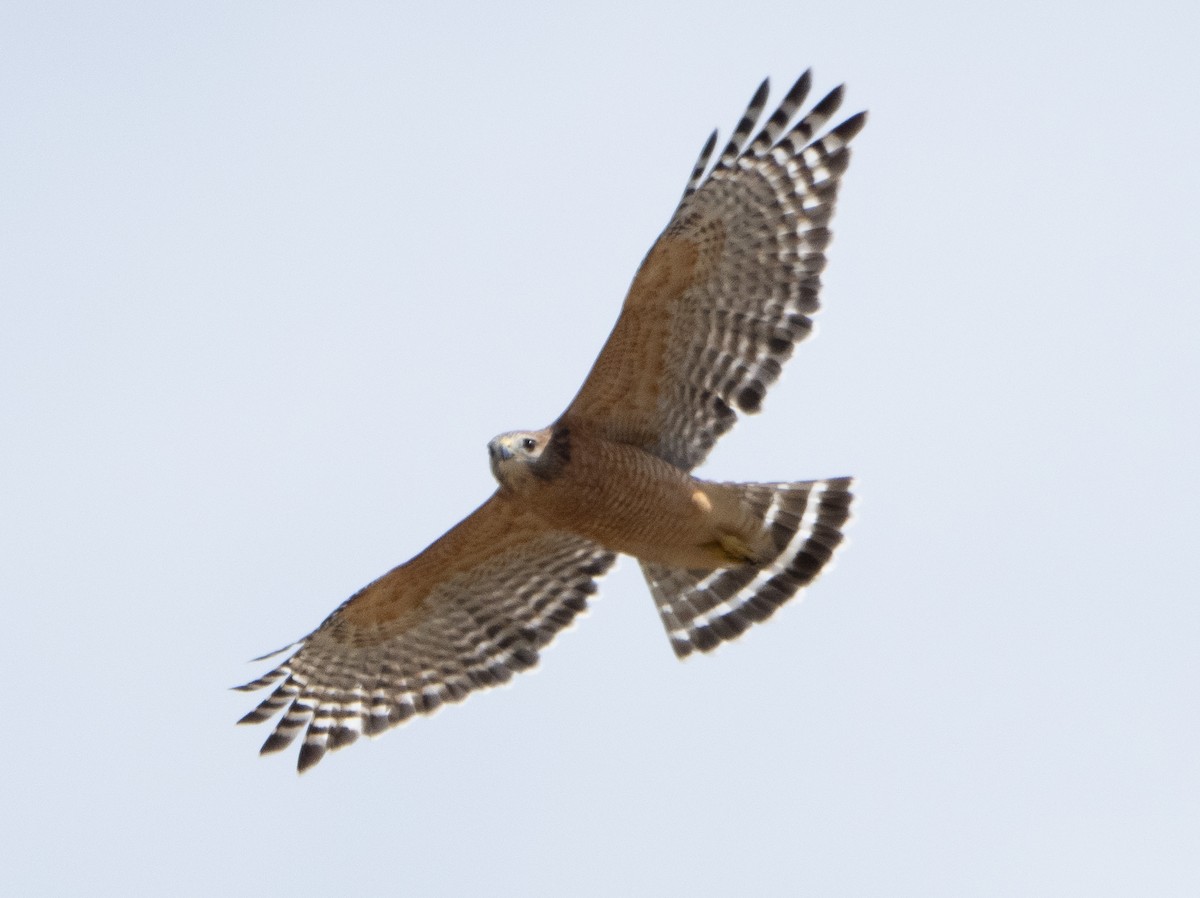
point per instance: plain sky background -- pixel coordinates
(271, 275)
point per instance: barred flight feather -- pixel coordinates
(481, 631)
(765, 209)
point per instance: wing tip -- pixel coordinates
(310, 754)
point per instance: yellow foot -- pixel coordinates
(736, 549)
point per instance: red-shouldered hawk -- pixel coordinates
(712, 314)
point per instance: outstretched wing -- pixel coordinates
(727, 289)
(468, 612)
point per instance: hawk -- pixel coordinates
(714, 311)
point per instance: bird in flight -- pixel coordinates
(714, 311)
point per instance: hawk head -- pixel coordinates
(520, 455)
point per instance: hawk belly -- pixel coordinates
(633, 502)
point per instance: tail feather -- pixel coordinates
(702, 609)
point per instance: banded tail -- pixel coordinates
(702, 609)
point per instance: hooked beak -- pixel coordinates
(498, 451)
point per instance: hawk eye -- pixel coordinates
(528, 444)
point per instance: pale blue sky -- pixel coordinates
(271, 275)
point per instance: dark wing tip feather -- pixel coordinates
(737, 140)
(829, 104)
(290, 645)
(701, 165)
(848, 129)
(341, 736)
(265, 680)
(310, 753)
(801, 88)
(276, 742)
